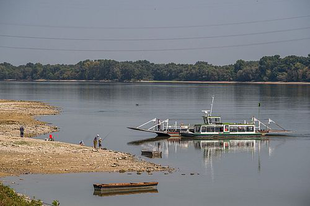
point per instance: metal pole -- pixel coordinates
(211, 105)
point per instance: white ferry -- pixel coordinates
(213, 128)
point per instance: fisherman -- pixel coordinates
(100, 143)
(95, 141)
(21, 129)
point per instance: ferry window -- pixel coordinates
(197, 128)
(218, 129)
(205, 120)
(226, 128)
(217, 120)
(250, 129)
(241, 129)
(210, 129)
(210, 120)
(203, 129)
(233, 129)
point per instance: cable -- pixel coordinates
(154, 39)
(154, 50)
(159, 27)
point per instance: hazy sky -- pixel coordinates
(181, 31)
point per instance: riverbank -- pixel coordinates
(33, 156)
(175, 82)
(9, 197)
(227, 82)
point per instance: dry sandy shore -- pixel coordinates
(27, 156)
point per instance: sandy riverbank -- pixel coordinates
(27, 156)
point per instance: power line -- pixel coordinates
(154, 50)
(154, 39)
(156, 27)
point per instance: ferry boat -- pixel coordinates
(213, 128)
(162, 128)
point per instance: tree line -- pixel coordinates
(268, 68)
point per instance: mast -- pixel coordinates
(211, 106)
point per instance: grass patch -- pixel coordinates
(9, 197)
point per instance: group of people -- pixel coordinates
(22, 131)
(98, 140)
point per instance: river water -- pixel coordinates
(275, 171)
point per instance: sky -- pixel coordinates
(181, 31)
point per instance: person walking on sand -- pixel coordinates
(95, 141)
(21, 129)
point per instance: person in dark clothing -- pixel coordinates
(100, 143)
(21, 129)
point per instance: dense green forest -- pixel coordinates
(268, 68)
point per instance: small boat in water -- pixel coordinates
(129, 188)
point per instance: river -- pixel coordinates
(274, 172)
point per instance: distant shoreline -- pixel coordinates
(171, 82)
(226, 82)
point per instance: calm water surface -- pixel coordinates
(269, 172)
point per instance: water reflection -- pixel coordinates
(105, 194)
(216, 149)
(211, 149)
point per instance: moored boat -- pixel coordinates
(213, 128)
(125, 187)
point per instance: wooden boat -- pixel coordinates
(125, 187)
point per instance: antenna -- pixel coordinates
(211, 105)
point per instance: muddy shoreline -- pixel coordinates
(33, 156)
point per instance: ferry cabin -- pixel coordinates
(213, 126)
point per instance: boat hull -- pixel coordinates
(159, 133)
(125, 187)
(198, 136)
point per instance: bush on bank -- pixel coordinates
(9, 197)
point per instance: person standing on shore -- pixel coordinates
(21, 129)
(95, 141)
(100, 143)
